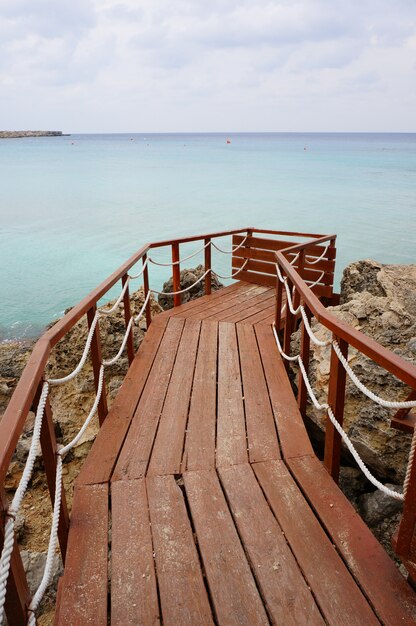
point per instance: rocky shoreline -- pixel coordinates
(18, 134)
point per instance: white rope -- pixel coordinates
(319, 258)
(134, 276)
(234, 248)
(295, 258)
(311, 334)
(318, 280)
(117, 302)
(279, 274)
(338, 427)
(409, 404)
(289, 299)
(18, 497)
(412, 452)
(234, 274)
(175, 293)
(186, 258)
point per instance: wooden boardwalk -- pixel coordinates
(202, 502)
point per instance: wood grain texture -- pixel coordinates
(133, 581)
(261, 430)
(335, 591)
(167, 450)
(83, 598)
(233, 589)
(200, 437)
(183, 597)
(135, 454)
(283, 588)
(394, 600)
(231, 426)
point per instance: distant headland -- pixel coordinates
(16, 134)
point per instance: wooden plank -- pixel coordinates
(256, 308)
(232, 587)
(231, 427)
(211, 309)
(183, 597)
(268, 256)
(311, 274)
(84, 588)
(338, 597)
(392, 597)
(135, 454)
(276, 244)
(291, 430)
(239, 310)
(258, 279)
(167, 450)
(267, 315)
(261, 429)
(224, 292)
(99, 464)
(134, 597)
(200, 436)
(286, 594)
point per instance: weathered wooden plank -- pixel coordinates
(308, 273)
(231, 427)
(283, 588)
(183, 597)
(135, 454)
(261, 430)
(268, 256)
(253, 310)
(392, 597)
(200, 436)
(133, 581)
(83, 598)
(267, 314)
(263, 243)
(334, 589)
(167, 450)
(258, 279)
(223, 293)
(240, 310)
(99, 464)
(232, 587)
(293, 438)
(224, 307)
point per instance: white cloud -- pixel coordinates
(131, 65)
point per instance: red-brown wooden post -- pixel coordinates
(336, 400)
(127, 317)
(407, 524)
(48, 445)
(176, 274)
(96, 357)
(146, 291)
(304, 353)
(279, 304)
(207, 264)
(289, 326)
(17, 595)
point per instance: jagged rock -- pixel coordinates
(34, 564)
(353, 483)
(377, 506)
(187, 278)
(380, 301)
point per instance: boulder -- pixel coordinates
(187, 278)
(380, 301)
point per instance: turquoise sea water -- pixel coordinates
(74, 208)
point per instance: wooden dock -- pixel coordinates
(202, 500)
(219, 510)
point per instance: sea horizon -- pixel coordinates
(74, 208)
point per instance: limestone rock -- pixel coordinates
(187, 278)
(380, 301)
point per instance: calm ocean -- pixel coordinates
(74, 208)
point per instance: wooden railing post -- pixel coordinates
(18, 595)
(279, 304)
(304, 353)
(407, 526)
(49, 447)
(96, 357)
(176, 274)
(336, 400)
(207, 265)
(127, 317)
(289, 327)
(146, 291)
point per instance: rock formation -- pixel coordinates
(18, 134)
(187, 278)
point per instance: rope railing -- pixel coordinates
(316, 260)
(326, 407)
(233, 249)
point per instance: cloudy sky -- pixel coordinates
(208, 65)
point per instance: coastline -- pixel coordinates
(20, 134)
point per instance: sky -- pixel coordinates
(208, 65)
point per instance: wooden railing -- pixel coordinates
(345, 336)
(27, 393)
